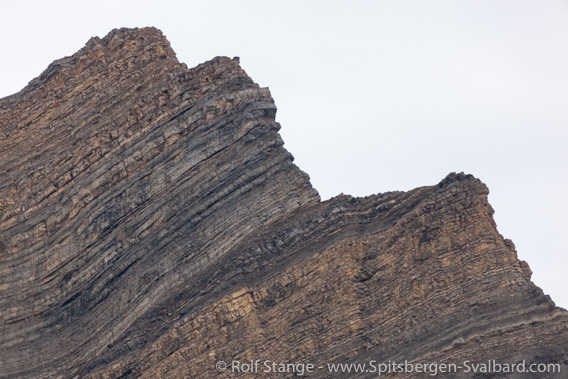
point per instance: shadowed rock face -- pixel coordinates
(152, 224)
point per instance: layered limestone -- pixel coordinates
(152, 225)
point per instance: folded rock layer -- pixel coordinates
(152, 225)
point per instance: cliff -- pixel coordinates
(152, 225)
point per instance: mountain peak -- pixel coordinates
(152, 224)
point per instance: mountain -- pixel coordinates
(153, 225)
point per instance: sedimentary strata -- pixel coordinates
(152, 225)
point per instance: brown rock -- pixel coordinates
(152, 224)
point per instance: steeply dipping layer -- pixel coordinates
(152, 224)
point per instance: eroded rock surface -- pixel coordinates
(152, 224)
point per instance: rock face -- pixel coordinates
(152, 225)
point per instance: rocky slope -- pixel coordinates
(152, 225)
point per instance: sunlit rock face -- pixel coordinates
(152, 225)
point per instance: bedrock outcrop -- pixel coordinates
(152, 224)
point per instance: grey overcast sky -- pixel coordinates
(374, 96)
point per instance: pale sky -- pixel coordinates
(373, 96)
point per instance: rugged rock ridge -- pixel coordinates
(152, 224)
